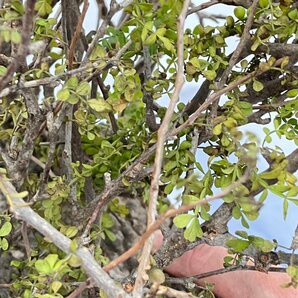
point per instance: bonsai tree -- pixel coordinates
(99, 149)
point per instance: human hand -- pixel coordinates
(244, 284)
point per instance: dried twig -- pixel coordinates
(77, 34)
(169, 214)
(202, 6)
(162, 136)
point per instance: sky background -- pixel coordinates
(270, 223)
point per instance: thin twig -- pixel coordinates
(77, 34)
(162, 136)
(243, 41)
(202, 6)
(82, 287)
(216, 95)
(24, 231)
(175, 280)
(114, 7)
(67, 158)
(169, 214)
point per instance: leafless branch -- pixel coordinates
(202, 6)
(77, 34)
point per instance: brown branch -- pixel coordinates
(77, 34)
(175, 280)
(23, 47)
(242, 43)
(216, 95)
(169, 214)
(202, 6)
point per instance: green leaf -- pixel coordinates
(110, 235)
(236, 212)
(293, 271)
(43, 7)
(3, 70)
(83, 89)
(56, 285)
(51, 259)
(239, 12)
(217, 130)
(42, 266)
(293, 14)
(63, 94)
(73, 99)
(238, 244)
(22, 194)
(5, 229)
(189, 199)
(285, 208)
(71, 231)
(4, 244)
(264, 3)
(169, 188)
(107, 221)
(257, 85)
(185, 145)
(262, 244)
(72, 83)
(73, 246)
(242, 234)
(99, 105)
(151, 39)
(170, 165)
(290, 93)
(182, 220)
(15, 37)
(90, 136)
(161, 32)
(167, 43)
(193, 231)
(209, 74)
(273, 174)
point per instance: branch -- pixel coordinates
(162, 136)
(23, 47)
(176, 280)
(202, 6)
(217, 226)
(77, 34)
(216, 95)
(23, 212)
(169, 214)
(242, 43)
(114, 8)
